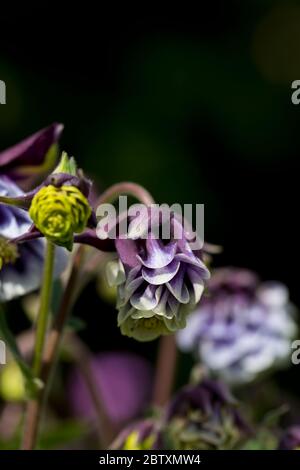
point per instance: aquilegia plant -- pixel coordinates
(159, 281)
(158, 274)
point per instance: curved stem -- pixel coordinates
(131, 189)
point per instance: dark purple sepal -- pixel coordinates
(65, 179)
(31, 152)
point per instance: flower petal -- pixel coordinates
(115, 273)
(194, 261)
(25, 275)
(21, 160)
(158, 254)
(161, 275)
(128, 252)
(197, 285)
(146, 300)
(178, 287)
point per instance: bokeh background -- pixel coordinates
(196, 106)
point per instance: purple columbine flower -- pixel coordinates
(203, 416)
(242, 328)
(290, 439)
(124, 383)
(22, 265)
(159, 280)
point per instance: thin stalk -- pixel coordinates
(30, 431)
(43, 314)
(165, 371)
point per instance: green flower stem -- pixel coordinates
(34, 406)
(42, 320)
(49, 357)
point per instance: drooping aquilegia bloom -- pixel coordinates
(159, 280)
(242, 328)
(204, 417)
(290, 439)
(21, 265)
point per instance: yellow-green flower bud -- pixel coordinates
(133, 442)
(59, 213)
(12, 386)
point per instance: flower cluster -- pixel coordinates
(159, 281)
(243, 326)
(204, 416)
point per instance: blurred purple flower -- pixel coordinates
(242, 328)
(290, 439)
(159, 281)
(124, 382)
(204, 416)
(31, 156)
